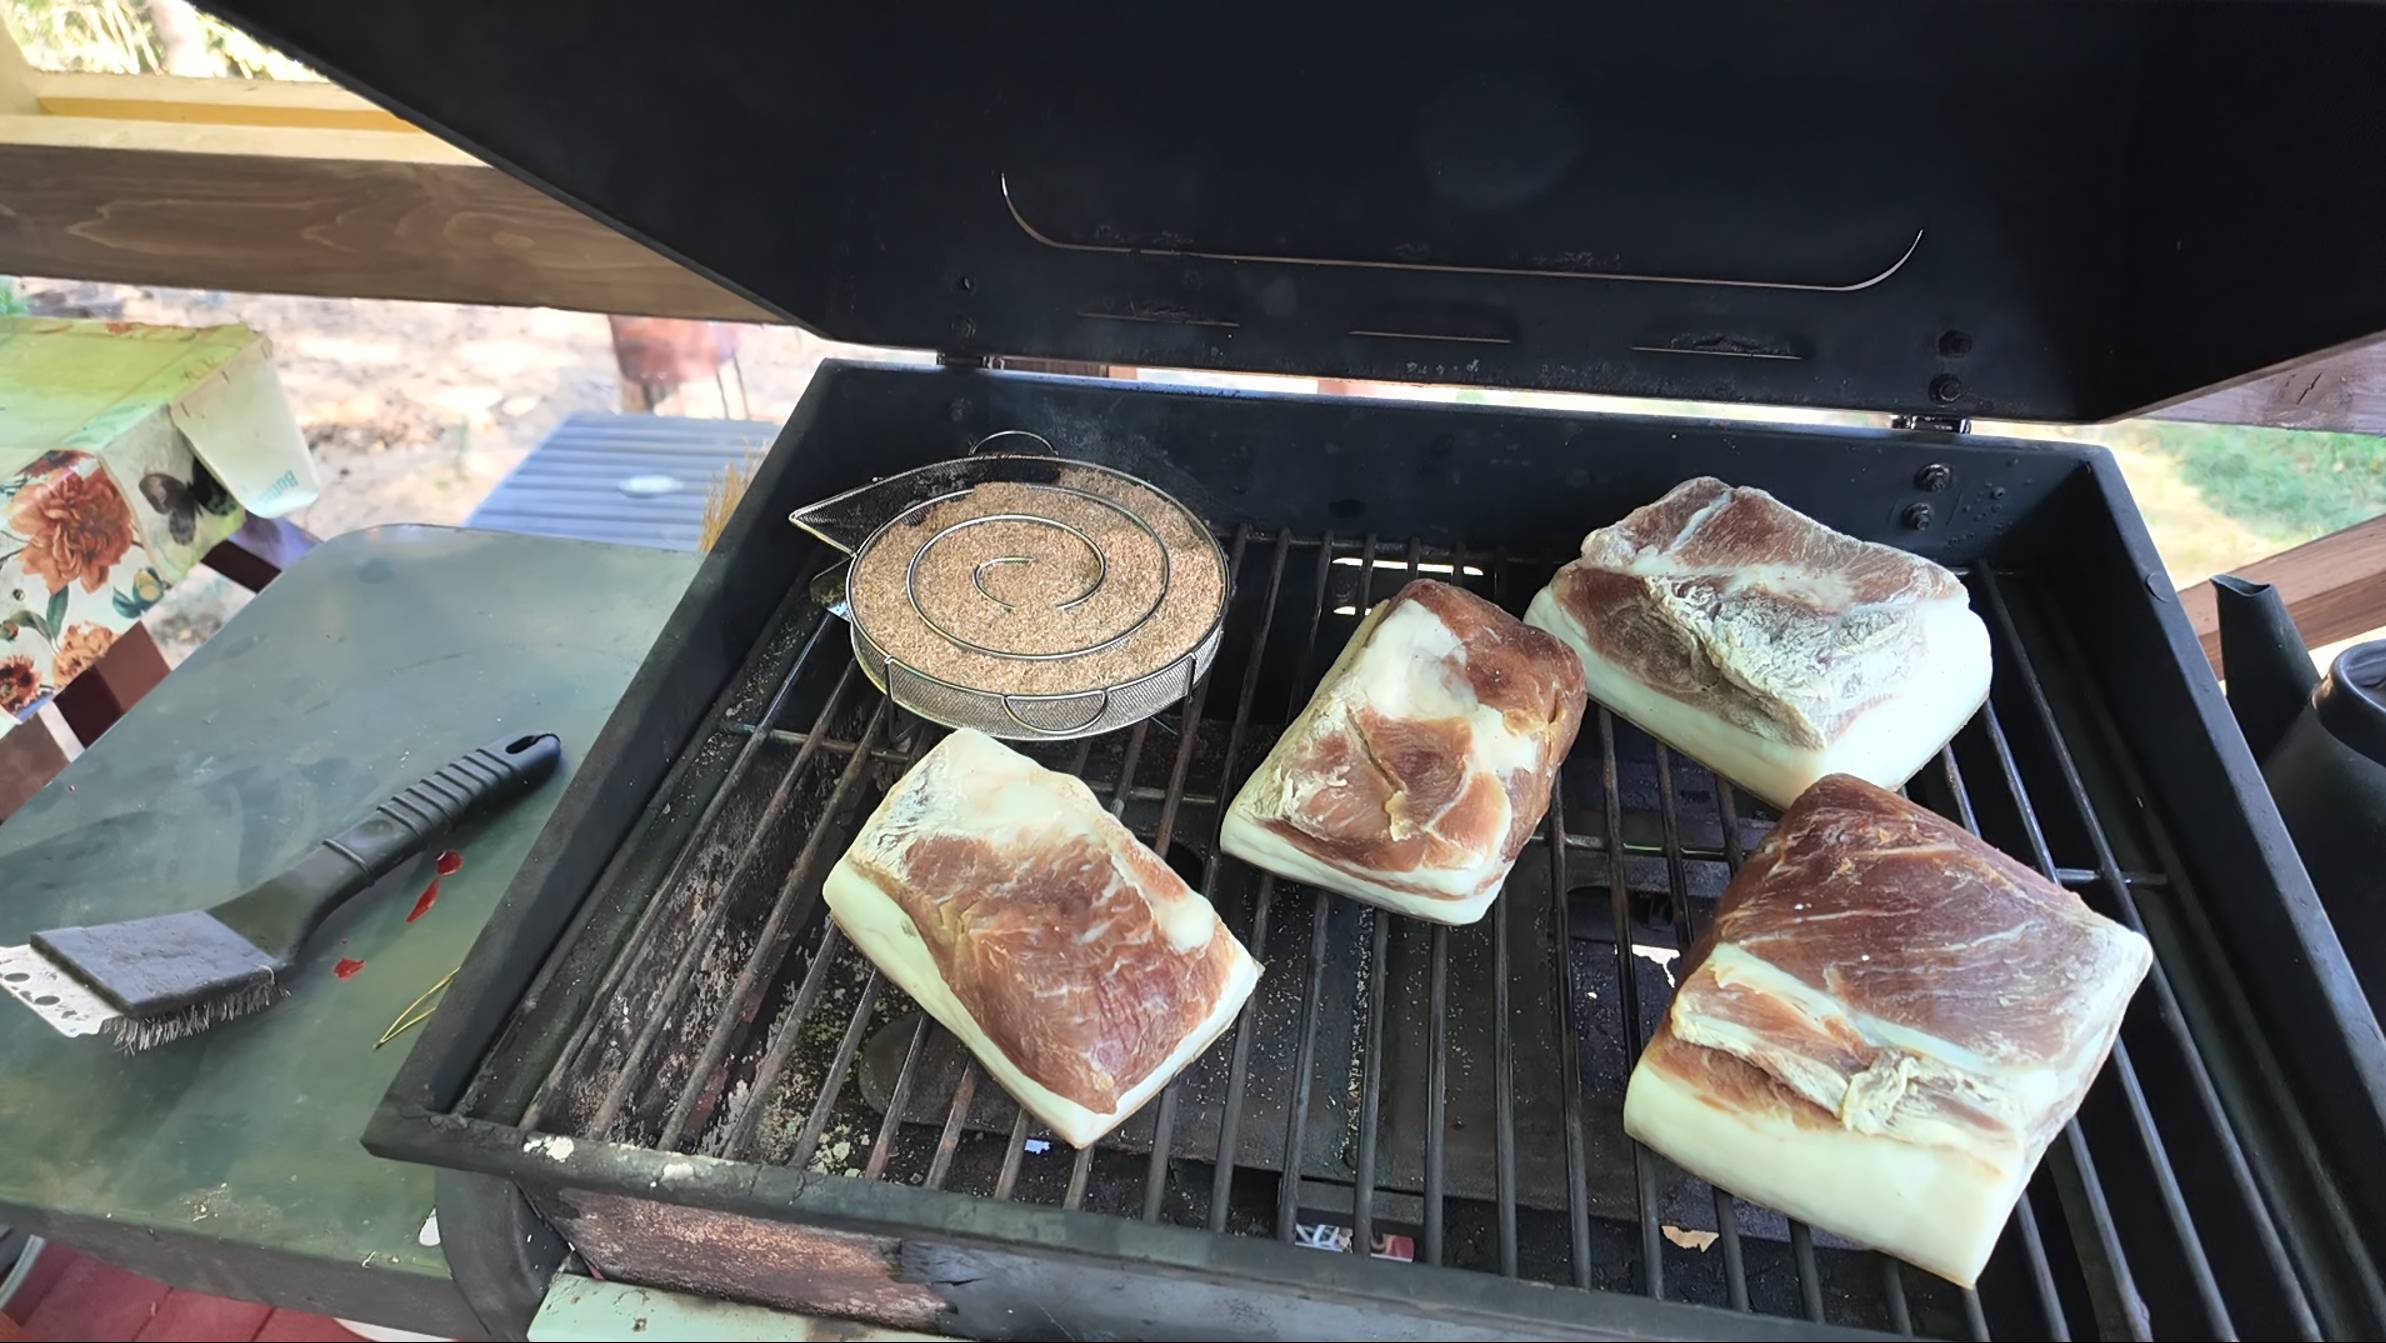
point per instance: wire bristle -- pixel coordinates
(134, 1034)
(722, 496)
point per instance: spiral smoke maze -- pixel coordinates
(1038, 608)
(1080, 558)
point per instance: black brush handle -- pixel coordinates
(278, 915)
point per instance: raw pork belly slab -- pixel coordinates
(1767, 646)
(1883, 1028)
(1423, 762)
(1079, 968)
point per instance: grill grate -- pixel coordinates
(1460, 1088)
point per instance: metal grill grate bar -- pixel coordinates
(1976, 1321)
(1503, 1033)
(1081, 1164)
(1296, 1115)
(1568, 1000)
(1727, 1215)
(1810, 1274)
(1362, 1217)
(1727, 811)
(1652, 1260)
(1013, 1152)
(783, 1041)
(1437, 1088)
(1304, 1073)
(1238, 1072)
(772, 948)
(1901, 1319)
(949, 1141)
(898, 1101)
(1379, 969)
(1228, 778)
(2065, 876)
(1237, 1076)
(1155, 1177)
(1081, 1168)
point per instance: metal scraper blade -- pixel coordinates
(54, 995)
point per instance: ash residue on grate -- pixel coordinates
(702, 970)
(710, 993)
(1362, 989)
(607, 1053)
(807, 1046)
(799, 624)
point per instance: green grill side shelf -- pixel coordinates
(229, 1162)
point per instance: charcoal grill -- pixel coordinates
(661, 1060)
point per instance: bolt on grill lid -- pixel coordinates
(2031, 210)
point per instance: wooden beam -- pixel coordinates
(2343, 391)
(230, 141)
(2335, 588)
(308, 210)
(224, 102)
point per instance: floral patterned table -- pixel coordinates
(81, 572)
(105, 499)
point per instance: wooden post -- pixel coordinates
(93, 701)
(31, 754)
(258, 553)
(16, 80)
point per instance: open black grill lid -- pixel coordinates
(2046, 211)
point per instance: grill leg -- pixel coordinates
(501, 1252)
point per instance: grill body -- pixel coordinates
(662, 1045)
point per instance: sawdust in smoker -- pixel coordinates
(1059, 622)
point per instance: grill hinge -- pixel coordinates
(1942, 424)
(1023, 364)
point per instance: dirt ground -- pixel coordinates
(415, 411)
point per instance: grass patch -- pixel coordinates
(2289, 485)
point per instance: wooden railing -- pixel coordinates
(2335, 588)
